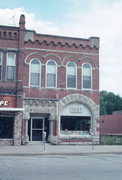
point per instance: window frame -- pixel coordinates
(14, 66)
(87, 89)
(10, 132)
(67, 75)
(40, 65)
(55, 74)
(1, 64)
(75, 123)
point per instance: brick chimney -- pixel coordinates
(22, 22)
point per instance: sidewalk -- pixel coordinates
(59, 149)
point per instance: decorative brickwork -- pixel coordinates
(31, 89)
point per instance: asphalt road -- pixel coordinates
(47, 167)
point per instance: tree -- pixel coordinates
(109, 102)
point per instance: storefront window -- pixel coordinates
(6, 127)
(75, 125)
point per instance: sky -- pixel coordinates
(76, 18)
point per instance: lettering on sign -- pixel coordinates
(3, 103)
(75, 110)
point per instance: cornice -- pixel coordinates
(61, 44)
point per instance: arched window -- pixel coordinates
(51, 70)
(87, 76)
(15, 35)
(10, 35)
(4, 34)
(35, 71)
(71, 75)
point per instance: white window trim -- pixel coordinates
(52, 87)
(83, 135)
(76, 75)
(14, 66)
(30, 73)
(1, 54)
(87, 89)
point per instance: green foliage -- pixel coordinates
(109, 102)
(110, 140)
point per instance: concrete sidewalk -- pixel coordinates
(59, 149)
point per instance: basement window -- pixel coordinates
(75, 125)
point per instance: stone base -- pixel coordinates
(73, 140)
(54, 140)
(79, 140)
(25, 140)
(6, 142)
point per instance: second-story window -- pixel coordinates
(35, 71)
(1, 55)
(71, 75)
(86, 76)
(10, 66)
(51, 74)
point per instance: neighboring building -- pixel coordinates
(111, 124)
(48, 83)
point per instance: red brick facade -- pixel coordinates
(42, 102)
(111, 124)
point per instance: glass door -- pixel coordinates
(37, 129)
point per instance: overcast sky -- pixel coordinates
(77, 18)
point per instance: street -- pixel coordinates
(61, 167)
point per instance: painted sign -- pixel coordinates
(7, 101)
(4, 103)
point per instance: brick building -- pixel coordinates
(48, 83)
(111, 124)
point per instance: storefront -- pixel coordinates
(73, 119)
(78, 120)
(10, 121)
(39, 117)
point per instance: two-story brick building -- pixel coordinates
(48, 83)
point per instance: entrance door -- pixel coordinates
(37, 129)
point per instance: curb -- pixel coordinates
(56, 154)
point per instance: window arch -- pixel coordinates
(87, 76)
(35, 72)
(51, 74)
(71, 71)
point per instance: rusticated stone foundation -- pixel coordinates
(18, 128)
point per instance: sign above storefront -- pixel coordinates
(4, 103)
(7, 101)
